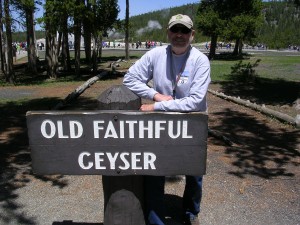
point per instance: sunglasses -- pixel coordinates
(183, 30)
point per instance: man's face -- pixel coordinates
(180, 36)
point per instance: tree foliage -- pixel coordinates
(281, 25)
(229, 20)
(211, 21)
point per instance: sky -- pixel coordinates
(137, 7)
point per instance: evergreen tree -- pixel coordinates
(243, 18)
(281, 24)
(211, 22)
(105, 14)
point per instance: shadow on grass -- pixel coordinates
(115, 58)
(264, 91)
(15, 160)
(263, 151)
(228, 56)
(245, 83)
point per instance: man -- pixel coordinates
(180, 75)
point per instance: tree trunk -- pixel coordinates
(99, 49)
(213, 45)
(65, 51)
(31, 46)
(9, 59)
(78, 91)
(77, 38)
(51, 47)
(241, 47)
(94, 47)
(94, 54)
(87, 35)
(51, 55)
(261, 108)
(2, 49)
(127, 31)
(59, 37)
(236, 47)
(87, 45)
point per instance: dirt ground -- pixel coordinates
(255, 181)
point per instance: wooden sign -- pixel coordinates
(117, 142)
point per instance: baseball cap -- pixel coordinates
(181, 19)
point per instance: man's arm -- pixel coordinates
(157, 98)
(138, 76)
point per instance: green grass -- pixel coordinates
(220, 69)
(275, 80)
(278, 65)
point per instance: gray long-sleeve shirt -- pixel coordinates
(162, 66)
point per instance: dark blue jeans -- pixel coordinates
(154, 198)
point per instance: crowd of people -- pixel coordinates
(294, 47)
(19, 46)
(134, 45)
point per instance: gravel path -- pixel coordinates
(254, 182)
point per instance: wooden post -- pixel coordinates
(123, 195)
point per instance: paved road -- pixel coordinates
(21, 54)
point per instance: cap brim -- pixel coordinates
(182, 23)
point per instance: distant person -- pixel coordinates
(181, 75)
(14, 52)
(19, 49)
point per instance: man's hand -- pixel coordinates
(147, 107)
(159, 97)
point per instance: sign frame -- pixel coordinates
(104, 142)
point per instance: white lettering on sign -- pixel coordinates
(159, 128)
(49, 129)
(126, 160)
(144, 129)
(121, 129)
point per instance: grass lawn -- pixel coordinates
(272, 65)
(273, 81)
